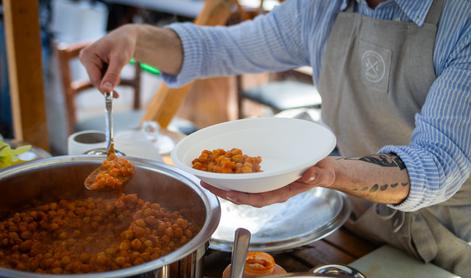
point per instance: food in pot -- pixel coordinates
(113, 173)
(232, 161)
(90, 235)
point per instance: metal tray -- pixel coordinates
(303, 219)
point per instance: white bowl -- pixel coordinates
(287, 147)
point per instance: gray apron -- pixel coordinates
(375, 77)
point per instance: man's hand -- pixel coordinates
(322, 174)
(105, 58)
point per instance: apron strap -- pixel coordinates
(434, 12)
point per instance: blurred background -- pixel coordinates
(72, 105)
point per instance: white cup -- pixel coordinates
(80, 142)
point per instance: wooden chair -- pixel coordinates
(286, 91)
(71, 88)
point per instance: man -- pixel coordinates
(395, 81)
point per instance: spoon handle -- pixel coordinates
(239, 252)
(109, 118)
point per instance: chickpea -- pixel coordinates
(148, 243)
(124, 245)
(140, 223)
(26, 235)
(63, 235)
(151, 220)
(188, 233)
(65, 260)
(84, 257)
(26, 245)
(169, 232)
(178, 232)
(136, 244)
(120, 261)
(138, 261)
(101, 258)
(138, 231)
(110, 251)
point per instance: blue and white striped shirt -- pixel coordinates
(438, 158)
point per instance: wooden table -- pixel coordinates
(341, 247)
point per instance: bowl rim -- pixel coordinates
(245, 176)
(210, 201)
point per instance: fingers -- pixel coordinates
(113, 71)
(260, 199)
(105, 59)
(93, 65)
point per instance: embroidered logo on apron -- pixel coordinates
(373, 66)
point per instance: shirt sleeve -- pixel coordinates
(271, 42)
(438, 158)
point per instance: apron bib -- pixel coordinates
(375, 77)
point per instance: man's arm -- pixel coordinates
(380, 178)
(184, 52)
(271, 42)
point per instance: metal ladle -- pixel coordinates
(109, 128)
(239, 252)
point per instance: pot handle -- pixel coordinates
(239, 252)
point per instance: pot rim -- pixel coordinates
(212, 206)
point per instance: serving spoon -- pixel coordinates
(109, 129)
(239, 252)
(109, 151)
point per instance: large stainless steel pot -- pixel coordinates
(62, 177)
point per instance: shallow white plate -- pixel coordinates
(287, 147)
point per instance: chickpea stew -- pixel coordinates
(91, 235)
(232, 161)
(113, 173)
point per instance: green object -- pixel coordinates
(9, 156)
(146, 67)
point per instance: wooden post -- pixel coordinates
(25, 71)
(166, 101)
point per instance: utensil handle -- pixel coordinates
(239, 252)
(109, 118)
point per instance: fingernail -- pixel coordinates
(108, 86)
(312, 178)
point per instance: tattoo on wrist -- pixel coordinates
(380, 187)
(384, 160)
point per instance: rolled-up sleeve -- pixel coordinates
(438, 159)
(271, 42)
